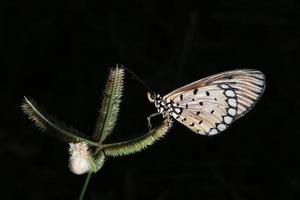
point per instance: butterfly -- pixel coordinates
(210, 105)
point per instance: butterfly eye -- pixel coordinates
(151, 96)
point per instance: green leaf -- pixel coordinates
(50, 124)
(110, 107)
(137, 144)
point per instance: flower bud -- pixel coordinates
(79, 158)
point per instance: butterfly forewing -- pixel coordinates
(210, 105)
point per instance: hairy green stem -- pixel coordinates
(87, 180)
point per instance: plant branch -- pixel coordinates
(87, 180)
(110, 107)
(137, 144)
(55, 127)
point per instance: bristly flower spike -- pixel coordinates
(87, 154)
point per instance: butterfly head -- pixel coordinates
(158, 102)
(151, 96)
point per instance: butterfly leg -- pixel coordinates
(149, 119)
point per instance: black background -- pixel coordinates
(59, 53)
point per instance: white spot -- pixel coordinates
(227, 119)
(221, 127)
(230, 93)
(177, 110)
(231, 111)
(168, 100)
(174, 115)
(258, 82)
(160, 109)
(224, 86)
(213, 131)
(259, 76)
(163, 103)
(232, 102)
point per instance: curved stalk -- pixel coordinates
(87, 180)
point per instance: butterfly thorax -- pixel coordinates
(167, 107)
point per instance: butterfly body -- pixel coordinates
(166, 107)
(208, 106)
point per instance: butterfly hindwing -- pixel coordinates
(210, 105)
(248, 85)
(206, 110)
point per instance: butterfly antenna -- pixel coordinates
(137, 78)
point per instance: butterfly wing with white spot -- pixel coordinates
(208, 106)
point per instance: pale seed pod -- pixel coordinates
(79, 162)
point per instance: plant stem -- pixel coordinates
(85, 185)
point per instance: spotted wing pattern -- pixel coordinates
(208, 106)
